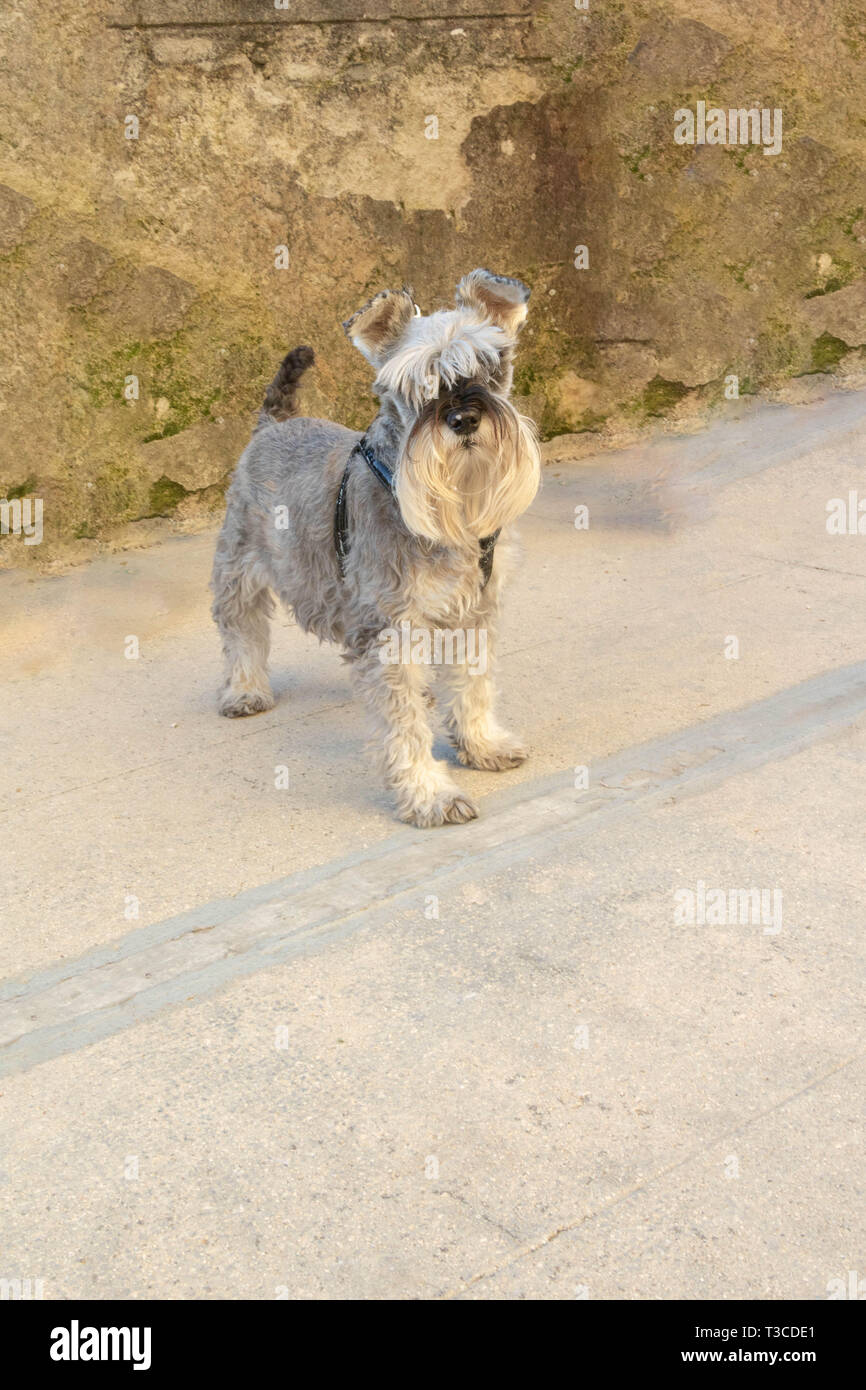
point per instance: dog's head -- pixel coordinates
(469, 461)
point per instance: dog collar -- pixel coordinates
(386, 478)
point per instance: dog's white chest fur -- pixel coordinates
(444, 588)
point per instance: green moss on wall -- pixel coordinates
(660, 396)
(164, 496)
(827, 352)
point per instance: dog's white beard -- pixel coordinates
(456, 495)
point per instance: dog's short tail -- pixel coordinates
(280, 401)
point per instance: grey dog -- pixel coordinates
(395, 531)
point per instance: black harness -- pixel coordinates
(386, 478)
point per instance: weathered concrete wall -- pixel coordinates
(307, 127)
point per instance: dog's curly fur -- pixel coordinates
(465, 464)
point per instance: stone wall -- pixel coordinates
(154, 258)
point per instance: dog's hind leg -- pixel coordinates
(242, 609)
(395, 695)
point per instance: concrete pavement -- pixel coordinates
(264, 1042)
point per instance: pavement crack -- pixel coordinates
(540, 1244)
(478, 1212)
(804, 565)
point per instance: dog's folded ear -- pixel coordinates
(496, 297)
(379, 324)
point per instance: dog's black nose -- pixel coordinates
(463, 419)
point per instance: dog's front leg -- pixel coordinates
(476, 733)
(395, 695)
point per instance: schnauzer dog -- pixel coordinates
(357, 535)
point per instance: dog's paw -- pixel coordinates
(235, 704)
(505, 753)
(459, 809)
(449, 808)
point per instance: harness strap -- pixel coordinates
(488, 545)
(341, 521)
(386, 478)
(382, 471)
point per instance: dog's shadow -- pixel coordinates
(317, 721)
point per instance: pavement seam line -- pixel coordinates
(113, 986)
